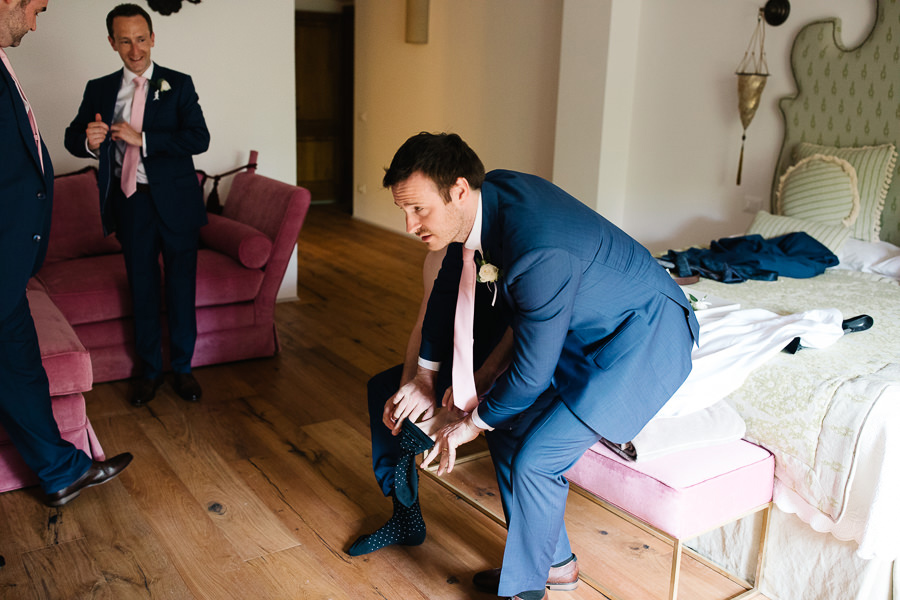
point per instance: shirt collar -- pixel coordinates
(473, 242)
(129, 76)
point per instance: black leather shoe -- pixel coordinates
(186, 386)
(144, 390)
(100, 472)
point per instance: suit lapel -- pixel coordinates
(152, 105)
(110, 94)
(21, 116)
(491, 237)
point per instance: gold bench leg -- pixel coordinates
(676, 569)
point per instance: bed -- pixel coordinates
(831, 416)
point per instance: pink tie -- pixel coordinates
(31, 120)
(464, 395)
(132, 153)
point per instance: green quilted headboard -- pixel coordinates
(847, 97)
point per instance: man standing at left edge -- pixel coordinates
(144, 123)
(26, 200)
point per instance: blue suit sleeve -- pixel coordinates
(542, 287)
(75, 135)
(191, 135)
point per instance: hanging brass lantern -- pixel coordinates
(751, 74)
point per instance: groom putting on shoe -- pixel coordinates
(602, 338)
(144, 123)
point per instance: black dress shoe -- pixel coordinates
(100, 472)
(186, 386)
(144, 390)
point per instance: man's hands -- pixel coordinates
(414, 399)
(449, 438)
(97, 131)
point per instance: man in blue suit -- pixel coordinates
(26, 201)
(602, 339)
(165, 211)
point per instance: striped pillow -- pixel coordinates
(768, 226)
(874, 167)
(819, 188)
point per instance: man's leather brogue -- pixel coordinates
(560, 578)
(546, 597)
(98, 473)
(186, 386)
(144, 390)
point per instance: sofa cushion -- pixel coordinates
(90, 289)
(241, 242)
(223, 280)
(75, 227)
(65, 359)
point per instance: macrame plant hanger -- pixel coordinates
(751, 73)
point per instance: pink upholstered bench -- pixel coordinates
(68, 366)
(682, 495)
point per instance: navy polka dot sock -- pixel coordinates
(413, 441)
(406, 527)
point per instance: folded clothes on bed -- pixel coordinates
(717, 424)
(736, 259)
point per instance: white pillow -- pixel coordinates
(882, 258)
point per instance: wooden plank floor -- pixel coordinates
(254, 492)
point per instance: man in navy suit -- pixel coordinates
(165, 212)
(26, 200)
(602, 339)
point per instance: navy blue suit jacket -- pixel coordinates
(26, 197)
(593, 313)
(174, 130)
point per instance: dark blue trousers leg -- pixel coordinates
(25, 412)
(179, 250)
(137, 228)
(385, 446)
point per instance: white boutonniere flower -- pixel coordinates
(489, 274)
(161, 86)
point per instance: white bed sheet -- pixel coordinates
(868, 515)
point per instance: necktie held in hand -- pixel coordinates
(31, 120)
(132, 153)
(465, 396)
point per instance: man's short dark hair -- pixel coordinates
(442, 157)
(127, 10)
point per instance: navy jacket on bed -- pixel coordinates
(736, 259)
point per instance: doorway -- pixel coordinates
(323, 47)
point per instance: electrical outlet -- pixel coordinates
(753, 204)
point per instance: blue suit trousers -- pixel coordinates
(531, 457)
(25, 411)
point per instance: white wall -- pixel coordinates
(241, 60)
(659, 159)
(488, 72)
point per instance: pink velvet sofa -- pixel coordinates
(242, 260)
(68, 366)
(82, 310)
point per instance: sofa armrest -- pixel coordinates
(241, 242)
